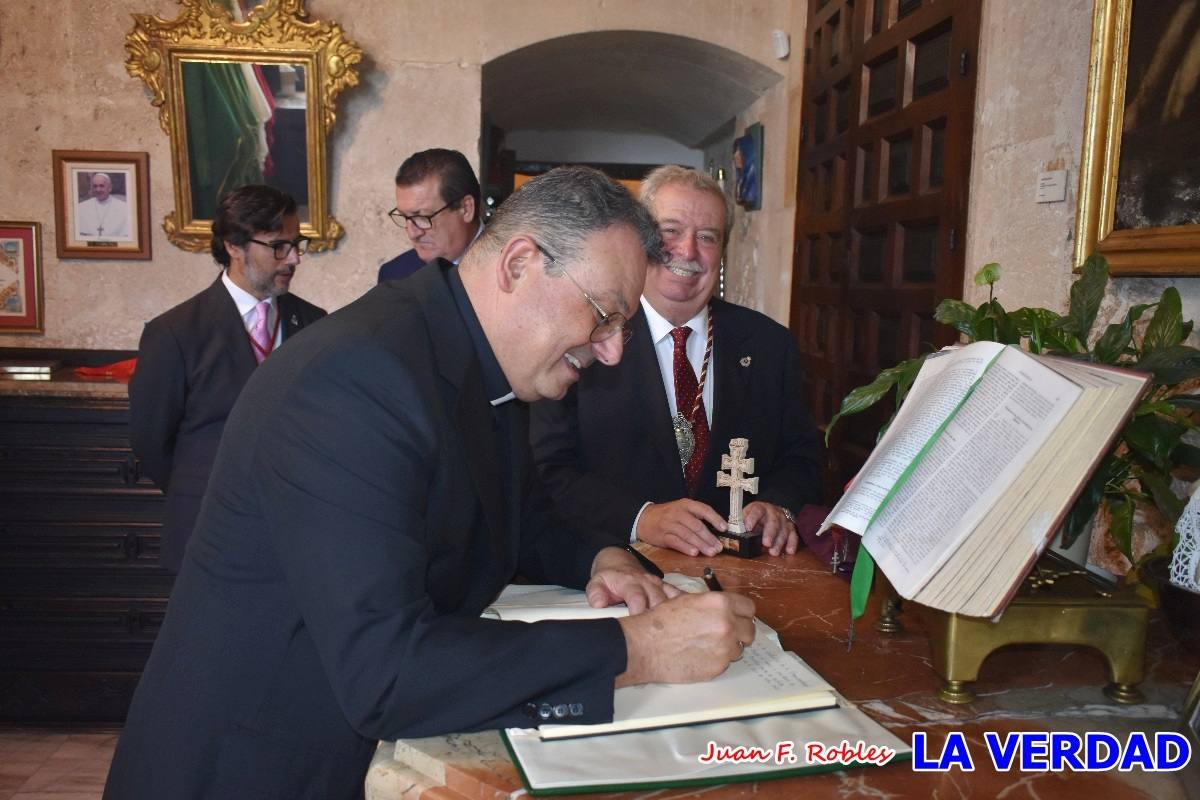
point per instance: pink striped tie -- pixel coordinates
(262, 339)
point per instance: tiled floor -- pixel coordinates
(41, 765)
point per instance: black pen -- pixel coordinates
(646, 563)
(710, 580)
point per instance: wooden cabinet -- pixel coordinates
(81, 595)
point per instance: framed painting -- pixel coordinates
(1139, 176)
(21, 277)
(101, 204)
(747, 168)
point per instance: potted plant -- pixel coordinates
(1138, 472)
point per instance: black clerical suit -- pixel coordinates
(192, 362)
(367, 502)
(608, 446)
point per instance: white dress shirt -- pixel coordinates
(246, 303)
(664, 348)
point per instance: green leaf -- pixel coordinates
(1153, 438)
(1086, 294)
(1085, 507)
(958, 315)
(1166, 326)
(1006, 329)
(1184, 401)
(984, 324)
(1034, 332)
(1118, 336)
(988, 274)
(1120, 523)
(1154, 407)
(908, 374)
(863, 397)
(1160, 489)
(1026, 318)
(1171, 365)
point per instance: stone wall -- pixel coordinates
(66, 88)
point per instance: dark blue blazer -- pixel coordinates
(357, 522)
(401, 266)
(608, 446)
(192, 362)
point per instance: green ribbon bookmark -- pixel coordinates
(860, 583)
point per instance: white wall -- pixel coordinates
(65, 87)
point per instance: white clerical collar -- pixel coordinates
(660, 327)
(499, 401)
(244, 300)
(478, 231)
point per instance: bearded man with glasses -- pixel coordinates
(194, 359)
(437, 206)
(631, 453)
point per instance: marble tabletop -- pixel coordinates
(1020, 688)
(63, 382)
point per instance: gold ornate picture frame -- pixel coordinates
(101, 204)
(1137, 149)
(245, 97)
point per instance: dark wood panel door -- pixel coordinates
(885, 160)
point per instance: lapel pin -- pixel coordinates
(294, 320)
(745, 362)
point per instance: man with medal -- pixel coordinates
(632, 452)
(194, 359)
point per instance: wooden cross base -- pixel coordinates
(743, 545)
(1059, 603)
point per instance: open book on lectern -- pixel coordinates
(978, 469)
(766, 680)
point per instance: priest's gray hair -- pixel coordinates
(565, 206)
(690, 178)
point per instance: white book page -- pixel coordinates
(767, 679)
(666, 756)
(943, 382)
(981, 452)
(536, 602)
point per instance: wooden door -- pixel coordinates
(885, 158)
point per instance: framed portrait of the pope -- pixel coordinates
(101, 204)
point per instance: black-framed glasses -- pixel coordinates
(283, 248)
(422, 221)
(610, 324)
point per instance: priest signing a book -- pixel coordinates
(374, 491)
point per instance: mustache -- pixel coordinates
(684, 268)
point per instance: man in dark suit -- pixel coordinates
(373, 493)
(632, 453)
(437, 204)
(194, 359)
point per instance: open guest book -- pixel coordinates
(771, 747)
(978, 469)
(666, 734)
(766, 680)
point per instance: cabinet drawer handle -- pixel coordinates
(132, 545)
